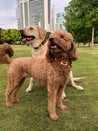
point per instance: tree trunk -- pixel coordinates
(89, 44)
(92, 44)
(83, 45)
(78, 44)
(75, 38)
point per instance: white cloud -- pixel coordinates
(8, 14)
(60, 4)
(7, 4)
(9, 26)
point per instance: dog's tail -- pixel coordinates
(79, 79)
(5, 49)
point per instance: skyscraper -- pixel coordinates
(52, 18)
(34, 12)
(59, 21)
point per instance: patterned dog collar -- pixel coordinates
(63, 62)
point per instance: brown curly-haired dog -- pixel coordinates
(36, 37)
(52, 71)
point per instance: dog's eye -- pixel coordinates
(31, 28)
(61, 37)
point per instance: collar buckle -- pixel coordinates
(64, 63)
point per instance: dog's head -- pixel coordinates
(32, 33)
(61, 46)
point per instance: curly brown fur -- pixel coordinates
(5, 49)
(47, 71)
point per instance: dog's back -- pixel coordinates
(28, 66)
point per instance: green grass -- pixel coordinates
(31, 113)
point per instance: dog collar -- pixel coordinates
(63, 62)
(44, 41)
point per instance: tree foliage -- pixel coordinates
(10, 35)
(81, 16)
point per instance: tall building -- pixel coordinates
(34, 12)
(59, 21)
(52, 18)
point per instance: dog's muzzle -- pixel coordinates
(26, 38)
(51, 40)
(53, 45)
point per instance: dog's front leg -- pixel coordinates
(59, 98)
(51, 102)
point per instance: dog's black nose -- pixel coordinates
(51, 39)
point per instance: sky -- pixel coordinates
(8, 12)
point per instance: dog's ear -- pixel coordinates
(73, 54)
(42, 32)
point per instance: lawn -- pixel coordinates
(31, 113)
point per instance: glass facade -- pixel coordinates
(59, 21)
(33, 12)
(21, 10)
(48, 11)
(37, 12)
(26, 13)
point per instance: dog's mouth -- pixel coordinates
(54, 46)
(27, 38)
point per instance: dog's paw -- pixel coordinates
(28, 89)
(16, 101)
(9, 105)
(80, 88)
(62, 107)
(54, 117)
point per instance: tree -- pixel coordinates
(4, 36)
(10, 35)
(91, 16)
(81, 16)
(14, 35)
